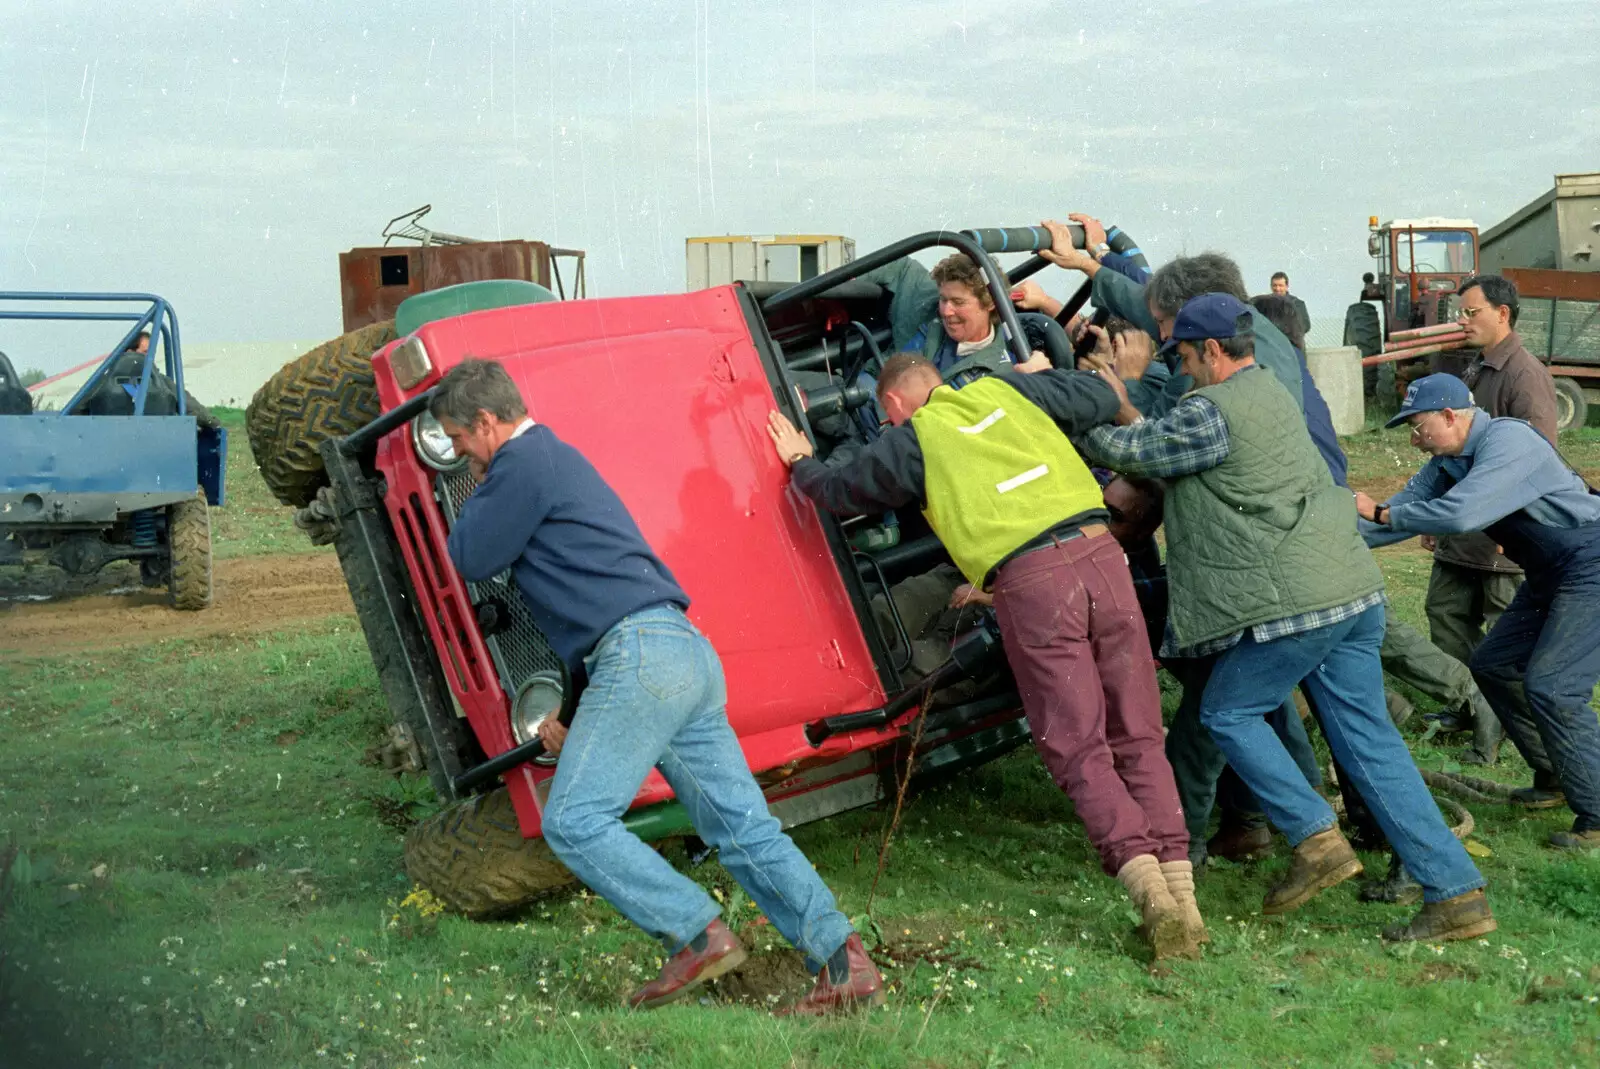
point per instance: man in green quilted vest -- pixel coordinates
(1266, 571)
(1019, 512)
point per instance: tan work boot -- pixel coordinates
(1462, 917)
(1161, 921)
(1180, 884)
(1320, 862)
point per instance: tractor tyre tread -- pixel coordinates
(1363, 329)
(473, 858)
(325, 393)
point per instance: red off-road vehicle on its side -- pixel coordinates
(668, 397)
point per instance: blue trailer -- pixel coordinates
(127, 469)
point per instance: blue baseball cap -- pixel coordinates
(1210, 315)
(1430, 394)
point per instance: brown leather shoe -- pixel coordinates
(689, 968)
(1462, 917)
(862, 987)
(1320, 862)
(1236, 842)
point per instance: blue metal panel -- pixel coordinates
(213, 462)
(98, 454)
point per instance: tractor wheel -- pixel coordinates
(1572, 408)
(473, 858)
(1362, 329)
(189, 546)
(326, 393)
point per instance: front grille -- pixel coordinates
(519, 650)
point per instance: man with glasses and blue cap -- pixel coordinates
(1266, 572)
(1502, 477)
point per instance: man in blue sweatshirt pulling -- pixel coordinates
(1501, 477)
(655, 699)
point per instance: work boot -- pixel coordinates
(1462, 917)
(1320, 861)
(1576, 840)
(710, 954)
(1400, 710)
(849, 980)
(1487, 734)
(1161, 921)
(1538, 798)
(1398, 888)
(1450, 721)
(1180, 884)
(1240, 842)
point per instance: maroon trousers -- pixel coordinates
(1077, 645)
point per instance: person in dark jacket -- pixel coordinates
(1500, 476)
(1279, 284)
(655, 699)
(1019, 511)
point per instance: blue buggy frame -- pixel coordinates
(82, 490)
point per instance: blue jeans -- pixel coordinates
(1549, 642)
(656, 699)
(1341, 670)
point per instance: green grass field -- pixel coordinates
(210, 875)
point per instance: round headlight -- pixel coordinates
(539, 699)
(433, 444)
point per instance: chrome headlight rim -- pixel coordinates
(538, 687)
(432, 455)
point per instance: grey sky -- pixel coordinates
(223, 154)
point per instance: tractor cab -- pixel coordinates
(1421, 264)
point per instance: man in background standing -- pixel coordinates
(1280, 288)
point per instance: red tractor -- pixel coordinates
(1421, 263)
(668, 396)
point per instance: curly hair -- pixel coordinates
(1187, 277)
(959, 267)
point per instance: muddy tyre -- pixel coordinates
(189, 546)
(326, 393)
(472, 856)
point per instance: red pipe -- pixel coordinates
(1425, 332)
(1417, 343)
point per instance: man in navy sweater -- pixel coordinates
(655, 699)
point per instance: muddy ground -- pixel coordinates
(42, 610)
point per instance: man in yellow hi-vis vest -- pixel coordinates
(1020, 512)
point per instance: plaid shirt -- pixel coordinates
(1272, 629)
(1192, 438)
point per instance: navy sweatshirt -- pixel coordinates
(571, 544)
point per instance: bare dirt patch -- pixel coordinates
(767, 979)
(252, 594)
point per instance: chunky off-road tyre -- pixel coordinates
(1362, 329)
(189, 543)
(1572, 407)
(326, 393)
(472, 856)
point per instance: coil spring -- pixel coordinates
(142, 528)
